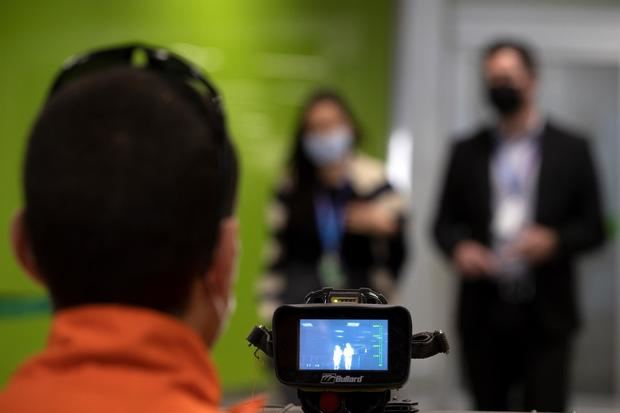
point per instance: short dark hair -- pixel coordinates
(524, 51)
(121, 188)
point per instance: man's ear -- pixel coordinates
(22, 248)
(222, 270)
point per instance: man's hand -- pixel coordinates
(473, 259)
(537, 244)
(370, 218)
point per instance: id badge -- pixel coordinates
(510, 218)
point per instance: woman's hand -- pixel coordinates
(370, 218)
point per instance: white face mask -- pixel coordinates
(225, 307)
(328, 148)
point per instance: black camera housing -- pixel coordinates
(286, 347)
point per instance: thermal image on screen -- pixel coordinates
(343, 344)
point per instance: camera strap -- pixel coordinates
(425, 345)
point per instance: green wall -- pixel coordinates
(265, 55)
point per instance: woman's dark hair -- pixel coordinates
(304, 172)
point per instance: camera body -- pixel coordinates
(342, 346)
(345, 351)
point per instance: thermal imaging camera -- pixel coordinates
(345, 351)
(342, 345)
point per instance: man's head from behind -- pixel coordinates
(124, 196)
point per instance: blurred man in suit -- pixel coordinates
(520, 202)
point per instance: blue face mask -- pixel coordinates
(328, 148)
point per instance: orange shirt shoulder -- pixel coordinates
(103, 359)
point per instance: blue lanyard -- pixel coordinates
(514, 177)
(329, 215)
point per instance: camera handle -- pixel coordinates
(423, 345)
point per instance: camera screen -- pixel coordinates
(343, 344)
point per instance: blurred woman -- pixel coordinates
(335, 220)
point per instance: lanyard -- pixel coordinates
(515, 167)
(330, 221)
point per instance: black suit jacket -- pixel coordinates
(567, 200)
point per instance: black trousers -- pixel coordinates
(510, 365)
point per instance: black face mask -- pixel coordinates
(506, 100)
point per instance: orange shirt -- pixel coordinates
(116, 359)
